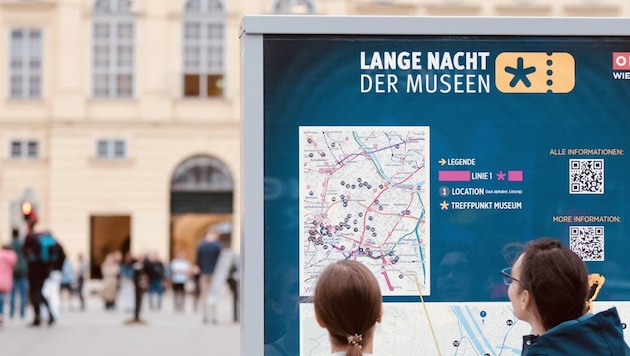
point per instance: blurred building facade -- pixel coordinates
(120, 119)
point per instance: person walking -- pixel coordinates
(227, 264)
(8, 259)
(196, 293)
(127, 293)
(37, 270)
(20, 283)
(52, 285)
(140, 283)
(206, 259)
(156, 273)
(110, 269)
(83, 269)
(180, 272)
(67, 285)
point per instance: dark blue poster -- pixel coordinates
(432, 160)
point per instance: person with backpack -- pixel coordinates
(42, 254)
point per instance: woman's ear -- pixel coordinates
(380, 315)
(525, 299)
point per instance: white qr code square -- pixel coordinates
(587, 242)
(586, 176)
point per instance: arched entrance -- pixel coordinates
(202, 194)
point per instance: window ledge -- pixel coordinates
(111, 162)
(385, 8)
(40, 3)
(525, 9)
(592, 10)
(22, 161)
(207, 99)
(452, 9)
(25, 101)
(113, 100)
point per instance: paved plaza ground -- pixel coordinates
(96, 332)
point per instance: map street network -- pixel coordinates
(456, 329)
(364, 195)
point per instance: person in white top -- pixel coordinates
(180, 270)
(348, 303)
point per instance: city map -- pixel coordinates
(459, 329)
(364, 195)
(453, 329)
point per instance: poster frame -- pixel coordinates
(252, 32)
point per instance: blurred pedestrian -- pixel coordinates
(207, 255)
(110, 269)
(38, 270)
(83, 269)
(140, 283)
(196, 293)
(234, 282)
(156, 273)
(8, 259)
(180, 271)
(20, 283)
(52, 285)
(127, 293)
(227, 264)
(66, 287)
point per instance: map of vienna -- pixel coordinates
(364, 195)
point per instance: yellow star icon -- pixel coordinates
(444, 205)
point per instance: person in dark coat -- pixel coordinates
(156, 273)
(38, 271)
(206, 259)
(549, 289)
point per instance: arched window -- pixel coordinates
(294, 7)
(202, 173)
(203, 49)
(113, 49)
(202, 184)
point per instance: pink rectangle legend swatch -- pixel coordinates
(515, 176)
(454, 176)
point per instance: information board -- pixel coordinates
(431, 150)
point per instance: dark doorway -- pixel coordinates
(109, 234)
(202, 194)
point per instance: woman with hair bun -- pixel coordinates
(348, 304)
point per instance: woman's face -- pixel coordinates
(515, 291)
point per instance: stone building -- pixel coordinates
(120, 119)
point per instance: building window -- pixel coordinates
(111, 149)
(24, 149)
(202, 173)
(296, 7)
(113, 49)
(26, 63)
(203, 49)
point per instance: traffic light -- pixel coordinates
(27, 210)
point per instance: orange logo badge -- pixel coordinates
(535, 72)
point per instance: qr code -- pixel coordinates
(587, 242)
(586, 176)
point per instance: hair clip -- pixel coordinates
(355, 340)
